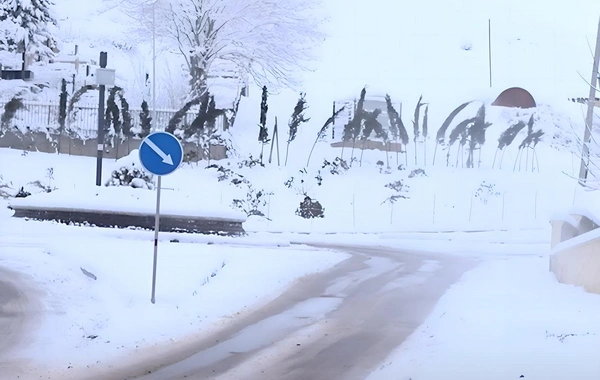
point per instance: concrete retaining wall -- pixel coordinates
(62, 144)
(168, 223)
(575, 259)
(578, 264)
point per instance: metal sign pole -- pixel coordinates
(156, 228)
(101, 100)
(161, 154)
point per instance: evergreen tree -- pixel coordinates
(145, 120)
(211, 116)
(393, 117)
(211, 125)
(323, 130)
(372, 124)
(197, 127)
(179, 115)
(440, 137)
(10, 111)
(26, 27)
(477, 135)
(62, 105)
(126, 116)
(297, 119)
(416, 124)
(397, 128)
(112, 115)
(263, 135)
(359, 115)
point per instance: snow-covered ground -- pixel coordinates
(508, 310)
(201, 284)
(506, 319)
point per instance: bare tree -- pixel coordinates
(265, 39)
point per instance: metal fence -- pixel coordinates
(83, 120)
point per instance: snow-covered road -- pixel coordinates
(19, 312)
(338, 324)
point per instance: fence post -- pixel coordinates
(434, 196)
(535, 205)
(503, 203)
(471, 207)
(353, 213)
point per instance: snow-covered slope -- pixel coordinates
(438, 49)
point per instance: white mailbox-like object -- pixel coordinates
(105, 77)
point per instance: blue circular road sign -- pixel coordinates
(161, 153)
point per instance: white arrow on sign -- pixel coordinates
(166, 158)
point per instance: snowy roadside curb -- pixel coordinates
(516, 242)
(505, 319)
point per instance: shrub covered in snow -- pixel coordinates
(417, 173)
(486, 192)
(254, 201)
(338, 166)
(399, 188)
(129, 172)
(10, 111)
(310, 208)
(9, 189)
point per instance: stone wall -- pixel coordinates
(62, 144)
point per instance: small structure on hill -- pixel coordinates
(515, 97)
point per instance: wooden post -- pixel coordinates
(333, 126)
(275, 136)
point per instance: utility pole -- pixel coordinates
(585, 153)
(490, 48)
(102, 88)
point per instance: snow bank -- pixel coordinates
(126, 200)
(506, 319)
(484, 244)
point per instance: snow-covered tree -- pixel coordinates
(297, 118)
(26, 26)
(265, 39)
